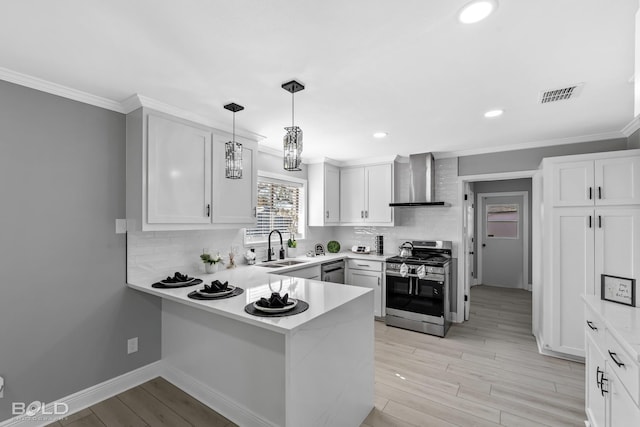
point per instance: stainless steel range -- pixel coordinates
(419, 288)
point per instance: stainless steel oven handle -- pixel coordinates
(410, 285)
(394, 274)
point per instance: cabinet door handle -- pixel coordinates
(366, 214)
(614, 357)
(590, 325)
(327, 214)
(589, 221)
(410, 285)
(599, 376)
(208, 210)
(590, 193)
(378, 282)
(599, 221)
(255, 211)
(603, 382)
(599, 192)
(361, 214)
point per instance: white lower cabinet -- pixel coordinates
(368, 274)
(612, 375)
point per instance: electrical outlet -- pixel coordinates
(132, 345)
(121, 226)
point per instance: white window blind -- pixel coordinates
(278, 208)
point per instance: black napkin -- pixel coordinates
(177, 278)
(216, 286)
(275, 301)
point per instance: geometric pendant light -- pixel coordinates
(292, 140)
(233, 149)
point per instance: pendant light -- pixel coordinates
(292, 141)
(233, 149)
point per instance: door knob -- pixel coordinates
(484, 245)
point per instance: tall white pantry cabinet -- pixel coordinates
(590, 226)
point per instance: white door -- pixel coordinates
(332, 194)
(572, 270)
(502, 234)
(617, 243)
(573, 184)
(469, 233)
(617, 181)
(234, 200)
(379, 191)
(178, 173)
(371, 280)
(352, 195)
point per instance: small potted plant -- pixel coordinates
(211, 262)
(292, 246)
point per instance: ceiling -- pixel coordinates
(407, 68)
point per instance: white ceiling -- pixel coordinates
(407, 67)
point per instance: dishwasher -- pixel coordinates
(333, 272)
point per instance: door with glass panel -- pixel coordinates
(502, 233)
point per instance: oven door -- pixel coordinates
(421, 296)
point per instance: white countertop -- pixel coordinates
(621, 321)
(259, 282)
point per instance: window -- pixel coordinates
(280, 206)
(502, 221)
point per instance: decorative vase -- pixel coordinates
(292, 252)
(210, 268)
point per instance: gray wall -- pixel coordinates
(501, 187)
(529, 159)
(65, 313)
(634, 140)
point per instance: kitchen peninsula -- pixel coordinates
(314, 368)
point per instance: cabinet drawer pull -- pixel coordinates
(599, 192)
(614, 357)
(590, 193)
(363, 265)
(590, 325)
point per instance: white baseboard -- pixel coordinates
(213, 399)
(99, 392)
(542, 349)
(90, 396)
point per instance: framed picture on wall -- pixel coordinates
(618, 289)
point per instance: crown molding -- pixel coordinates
(631, 127)
(532, 144)
(59, 90)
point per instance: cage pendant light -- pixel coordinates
(233, 149)
(292, 140)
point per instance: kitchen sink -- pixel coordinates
(281, 263)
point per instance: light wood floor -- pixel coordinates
(486, 372)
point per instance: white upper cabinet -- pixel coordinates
(179, 173)
(324, 194)
(352, 200)
(176, 176)
(365, 194)
(600, 182)
(234, 200)
(617, 243)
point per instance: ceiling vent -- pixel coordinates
(561, 94)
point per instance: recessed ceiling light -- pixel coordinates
(493, 113)
(380, 134)
(476, 11)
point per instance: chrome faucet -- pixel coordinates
(269, 250)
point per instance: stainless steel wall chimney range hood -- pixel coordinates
(422, 182)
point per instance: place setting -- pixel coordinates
(217, 290)
(276, 306)
(178, 280)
